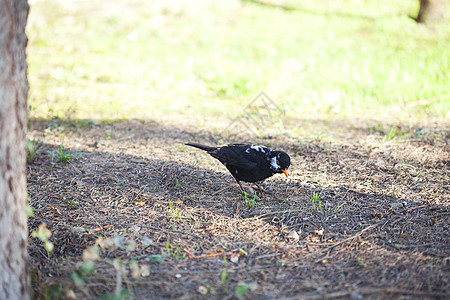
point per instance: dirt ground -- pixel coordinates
(361, 216)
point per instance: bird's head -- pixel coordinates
(279, 162)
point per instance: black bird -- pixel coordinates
(249, 163)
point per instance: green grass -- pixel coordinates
(250, 201)
(173, 214)
(31, 146)
(61, 155)
(176, 253)
(316, 204)
(93, 60)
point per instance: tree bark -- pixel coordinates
(431, 11)
(14, 280)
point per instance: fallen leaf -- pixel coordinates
(319, 232)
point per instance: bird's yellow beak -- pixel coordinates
(285, 172)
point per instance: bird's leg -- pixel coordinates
(244, 193)
(242, 188)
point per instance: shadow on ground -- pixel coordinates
(352, 221)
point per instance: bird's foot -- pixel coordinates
(262, 189)
(252, 188)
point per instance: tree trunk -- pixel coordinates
(14, 282)
(431, 11)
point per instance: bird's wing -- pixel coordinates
(235, 155)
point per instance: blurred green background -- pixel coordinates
(205, 60)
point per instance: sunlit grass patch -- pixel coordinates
(92, 60)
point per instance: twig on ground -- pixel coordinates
(172, 231)
(417, 207)
(190, 255)
(222, 189)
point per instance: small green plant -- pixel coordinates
(83, 273)
(61, 154)
(390, 135)
(376, 128)
(243, 252)
(156, 258)
(174, 214)
(30, 212)
(177, 183)
(242, 288)
(171, 209)
(53, 292)
(174, 252)
(31, 146)
(223, 275)
(80, 275)
(87, 266)
(250, 202)
(124, 294)
(69, 202)
(43, 233)
(317, 204)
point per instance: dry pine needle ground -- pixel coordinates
(359, 217)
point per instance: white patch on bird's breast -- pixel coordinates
(274, 163)
(257, 148)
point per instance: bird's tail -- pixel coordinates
(203, 147)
